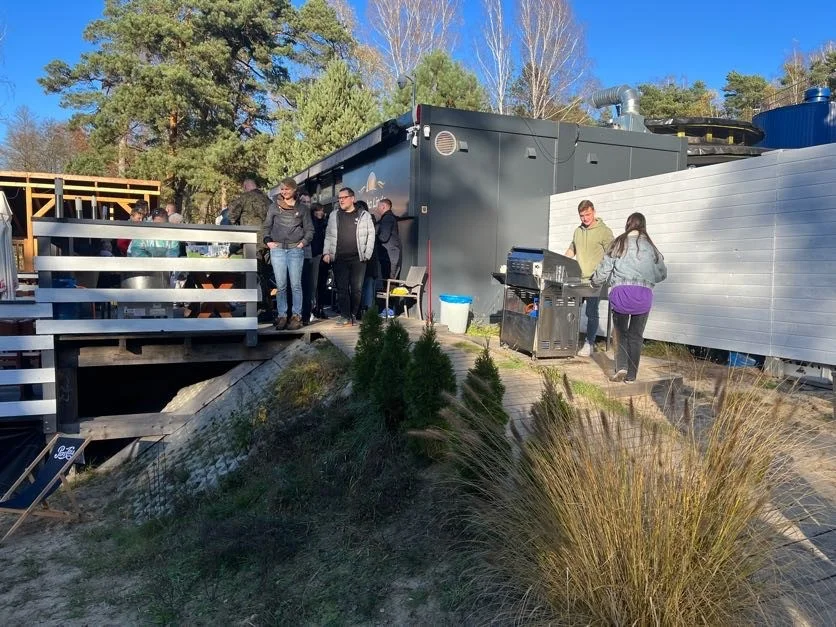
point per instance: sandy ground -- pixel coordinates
(42, 580)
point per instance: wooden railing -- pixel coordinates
(242, 270)
(27, 360)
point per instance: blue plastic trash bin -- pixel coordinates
(741, 360)
(455, 311)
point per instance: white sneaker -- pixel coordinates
(586, 350)
(620, 375)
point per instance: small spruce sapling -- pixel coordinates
(367, 352)
(390, 374)
(430, 374)
(483, 390)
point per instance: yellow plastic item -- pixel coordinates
(400, 291)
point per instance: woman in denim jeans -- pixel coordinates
(632, 266)
(288, 229)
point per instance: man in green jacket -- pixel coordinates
(250, 209)
(589, 243)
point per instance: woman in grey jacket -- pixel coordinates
(632, 266)
(288, 229)
(349, 242)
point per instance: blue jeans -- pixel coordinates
(288, 261)
(592, 319)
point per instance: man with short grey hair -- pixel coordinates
(174, 216)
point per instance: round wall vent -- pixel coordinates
(445, 143)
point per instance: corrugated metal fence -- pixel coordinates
(750, 248)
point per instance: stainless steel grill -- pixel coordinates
(543, 293)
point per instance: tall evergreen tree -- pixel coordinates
(320, 35)
(331, 111)
(823, 67)
(442, 82)
(179, 85)
(744, 93)
(668, 99)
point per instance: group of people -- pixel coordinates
(301, 243)
(145, 247)
(631, 266)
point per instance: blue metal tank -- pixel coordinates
(811, 123)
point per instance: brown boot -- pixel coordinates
(295, 323)
(281, 323)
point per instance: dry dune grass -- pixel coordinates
(592, 519)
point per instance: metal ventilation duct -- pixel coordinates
(626, 101)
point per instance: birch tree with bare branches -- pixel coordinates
(553, 57)
(495, 62)
(409, 29)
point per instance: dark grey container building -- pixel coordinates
(468, 186)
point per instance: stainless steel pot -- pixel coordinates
(145, 280)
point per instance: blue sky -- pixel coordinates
(645, 40)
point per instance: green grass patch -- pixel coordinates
(598, 396)
(329, 513)
(305, 381)
(468, 347)
(481, 329)
(512, 363)
(666, 350)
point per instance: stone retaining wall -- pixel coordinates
(213, 443)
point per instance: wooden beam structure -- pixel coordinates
(32, 195)
(127, 426)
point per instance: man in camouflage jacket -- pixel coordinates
(250, 209)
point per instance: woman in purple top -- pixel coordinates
(632, 267)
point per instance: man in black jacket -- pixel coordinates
(318, 274)
(389, 241)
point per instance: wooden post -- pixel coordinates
(66, 383)
(47, 357)
(29, 245)
(44, 250)
(251, 337)
(50, 420)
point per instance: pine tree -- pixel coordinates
(185, 89)
(430, 374)
(367, 352)
(177, 83)
(668, 99)
(390, 375)
(331, 111)
(483, 390)
(744, 93)
(442, 82)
